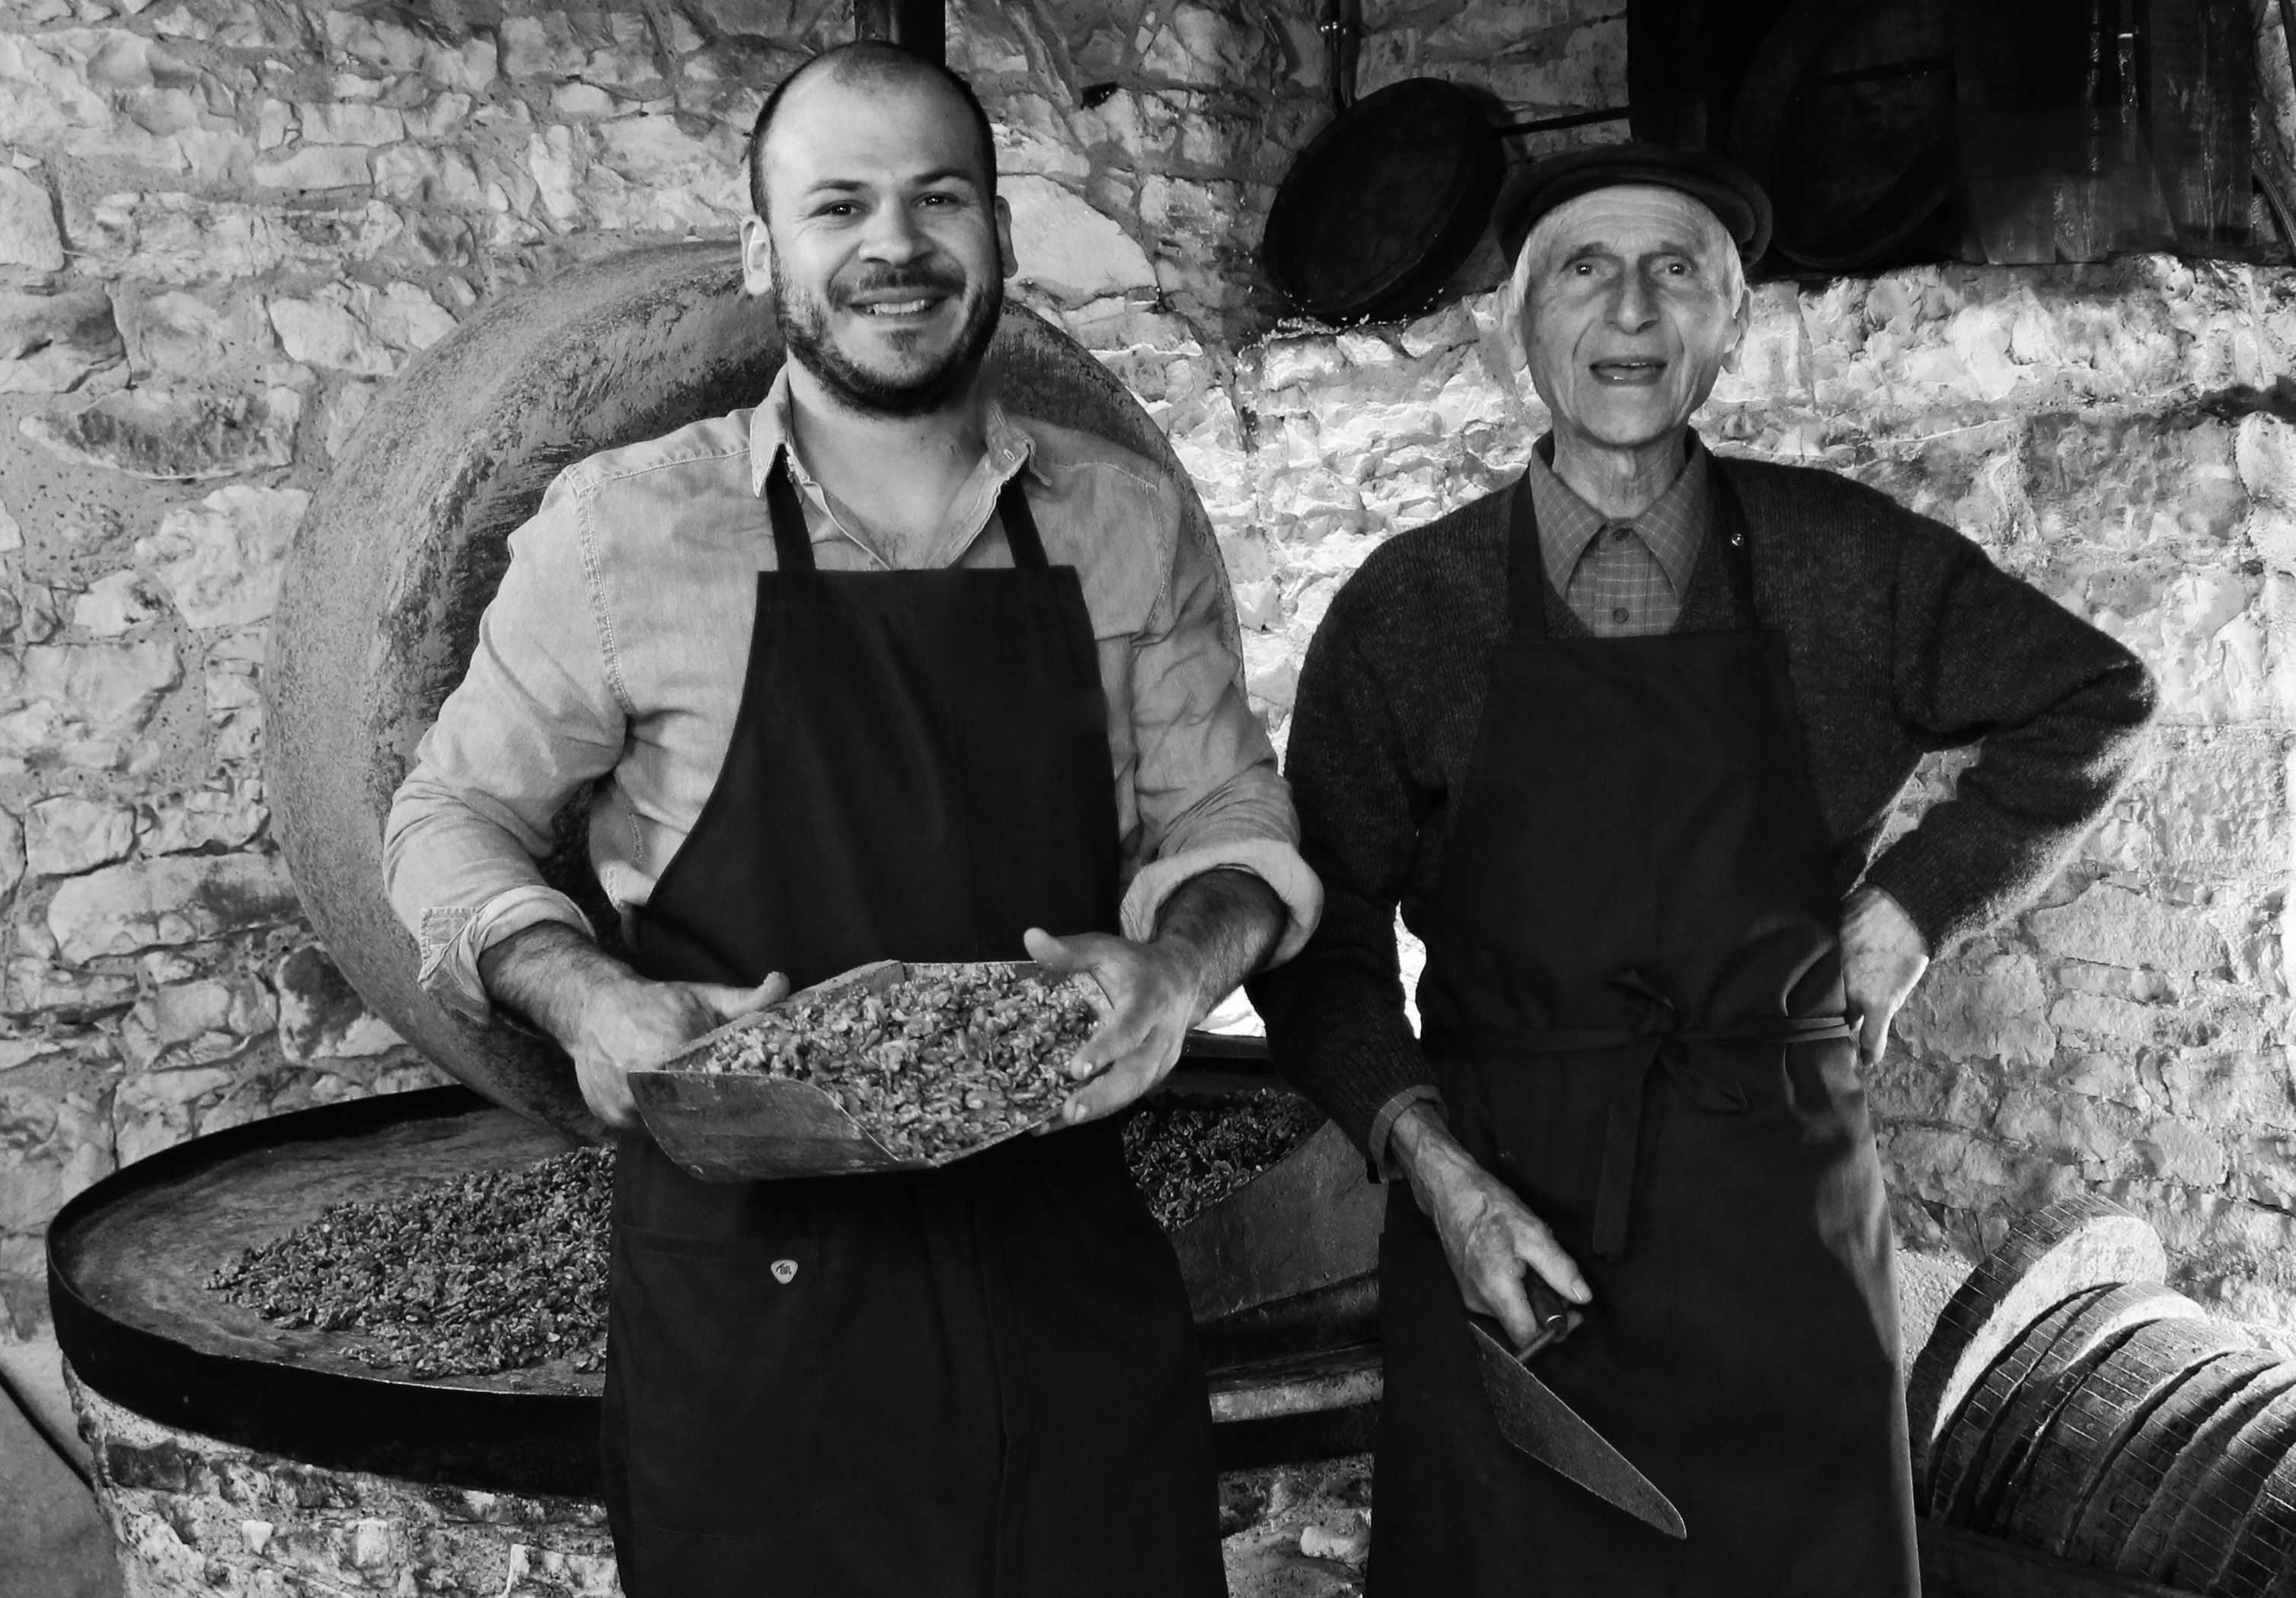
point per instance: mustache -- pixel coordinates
(878, 280)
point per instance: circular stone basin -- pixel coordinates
(1279, 1272)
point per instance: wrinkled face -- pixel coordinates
(1631, 307)
(883, 248)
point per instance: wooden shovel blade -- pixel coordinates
(1543, 1426)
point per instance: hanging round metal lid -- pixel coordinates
(1385, 204)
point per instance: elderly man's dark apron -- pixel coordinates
(979, 1381)
(1633, 997)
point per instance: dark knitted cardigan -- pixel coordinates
(1902, 638)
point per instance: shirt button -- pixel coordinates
(1619, 614)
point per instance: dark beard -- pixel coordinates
(804, 327)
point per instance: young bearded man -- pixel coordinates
(875, 670)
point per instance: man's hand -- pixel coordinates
(1212, 932)
(1882, 956)
(1488, 1234)
(610, 1019)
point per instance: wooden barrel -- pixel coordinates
(406, 540)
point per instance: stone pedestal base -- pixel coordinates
(198, 1516)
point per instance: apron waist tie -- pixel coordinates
(1657, 1040)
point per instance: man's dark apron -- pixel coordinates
(980, 1380)
(1633, 1000)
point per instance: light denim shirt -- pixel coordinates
(617, 646)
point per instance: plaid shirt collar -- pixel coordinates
(1674, 526)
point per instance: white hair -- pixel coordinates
(1515, 300)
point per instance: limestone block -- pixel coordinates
(321, 1016)
(54, 1138)
(554, 162)
(84, 702)
(183, 1012)
(203, 820)
(313, 167)
(376, 39)
(177, 337)
(2131, 482)
(68, 834)
(340, 123)
(53, 342)
(1981, 1004)
(543, 46)
(2203, 631)
(12, 852)
(36, 987)
(1068, 249)
(27, 223)
(179, 899)
(2112, 926)
(173, 238)
(663, 151)
(2211, 800)
(469, 66)
(220, 558)
(168, 435)
(116, 603)
(351, 327)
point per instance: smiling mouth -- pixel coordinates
(896, 307)
(1629, 370)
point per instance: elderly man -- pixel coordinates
(875, 670)
(1621, 740)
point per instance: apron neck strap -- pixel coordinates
(1526, 579)
(794, 544)
(1020, 526)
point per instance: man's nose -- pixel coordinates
(1635, 306)
(893, 234)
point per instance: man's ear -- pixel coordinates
(1007, 260)
(1745, 320)
(757, 256)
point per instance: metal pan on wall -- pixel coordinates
(1847, 117)
(1385, 204)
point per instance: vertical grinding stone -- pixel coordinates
(2201, 1542)
(1970, 1429)
(2098, 1418)
(2149, 1550)
(2132, 1480)
(2049, 1257)
(2260, 1565)
(2092, 1334)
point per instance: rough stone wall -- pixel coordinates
(224, 223)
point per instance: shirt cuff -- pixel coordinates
(454, 937)
(1383, 1163)
(1273, 861)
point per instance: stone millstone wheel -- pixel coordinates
(1968, 1435)
(2000, 1475)
(2150, 1549)
(2208, 1529)
(2260, 1565)
(2099, 1418)
(2049, 1257)
(406, 542)
(2132, 1481)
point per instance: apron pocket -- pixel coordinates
(717, 1347)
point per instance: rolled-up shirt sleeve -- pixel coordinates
(538, 716)
(1209, 795)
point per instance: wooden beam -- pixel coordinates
(918, 25)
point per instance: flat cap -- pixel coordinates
(1536, 188)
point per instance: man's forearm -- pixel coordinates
(545, 972)
(1226, 922)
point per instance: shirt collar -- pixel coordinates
(1674, 526)
(1009, 450)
